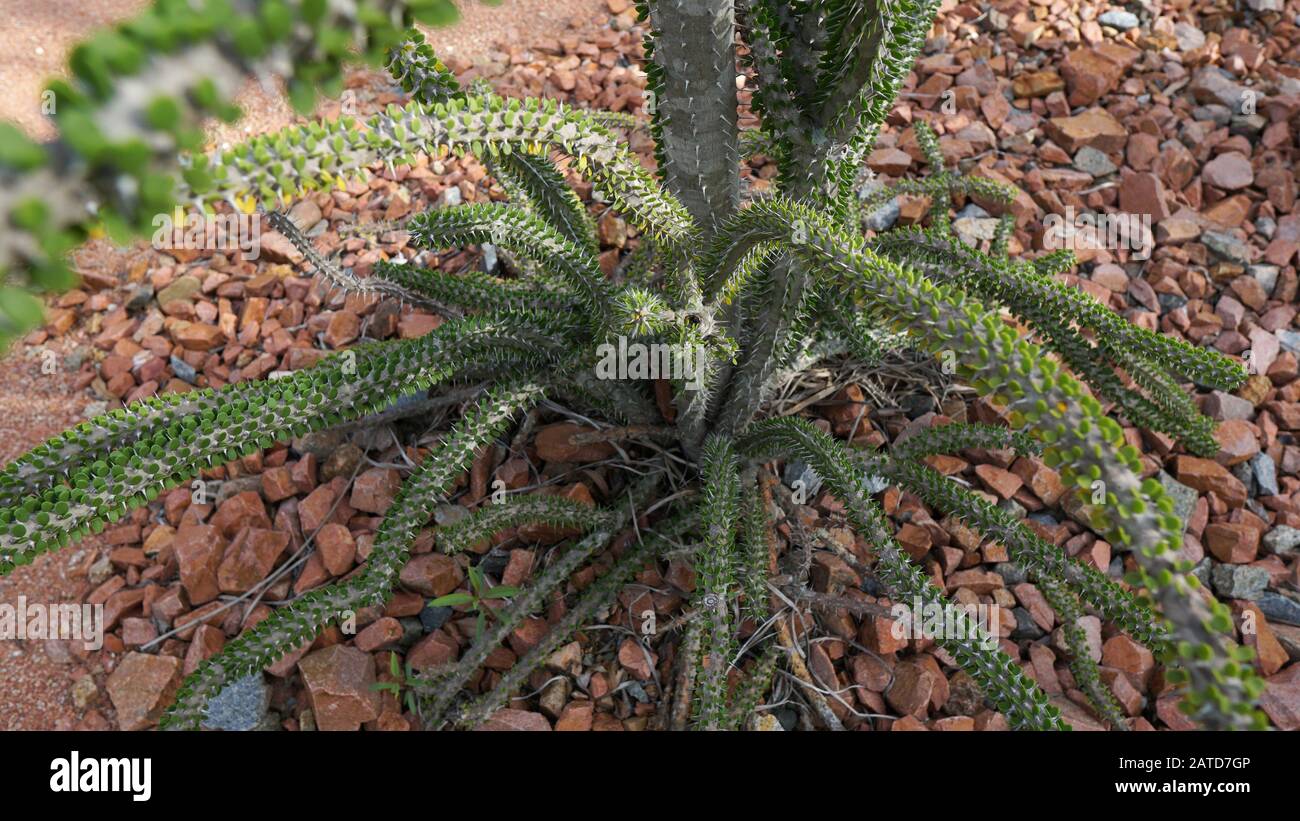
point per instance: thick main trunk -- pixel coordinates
(693, 76)
(694, 49)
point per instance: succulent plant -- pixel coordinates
(753, 287)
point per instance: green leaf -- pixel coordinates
(247, 37)
(18, 151)
(302, 96)
(25, 309)
(163, 113)
(503, 592)
(435, 12)
(452, 600)
(277, 19)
